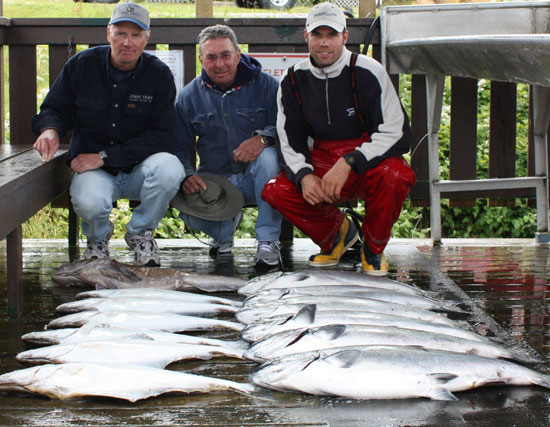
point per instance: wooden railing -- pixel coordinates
(62, 36)
(22, 36)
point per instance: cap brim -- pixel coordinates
(330, 24)
(234, 201)
(133, 21)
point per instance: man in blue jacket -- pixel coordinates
(228, 115)
(119, 103)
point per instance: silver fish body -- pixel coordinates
(252, 313)
(330, 336)
(93, 332)
(386, 372)
(158, 293)
(311, 317)
(128, 382)
(321, 278)
(155, 305)
(352, 291)
(132, 351)
(143, 320)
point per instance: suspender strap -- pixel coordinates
(295, 89)
(352, 62)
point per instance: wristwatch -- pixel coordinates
(103, 156)
(264, 141)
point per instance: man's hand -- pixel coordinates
(249, 150)
(193, 185)
(312, 192)
(47, 144)
(86, 162)
(335, 178)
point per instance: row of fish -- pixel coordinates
(117, 343)
(360, 337)
(320, 332)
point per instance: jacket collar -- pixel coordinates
(110, 66)
(333, 70)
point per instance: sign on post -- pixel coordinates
(277, 63)
(174, 60)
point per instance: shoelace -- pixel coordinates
(146, 243)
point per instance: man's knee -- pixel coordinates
(91, 202)
(267, 162)
(165, 168)
(397, 174)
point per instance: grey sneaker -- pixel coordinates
(99, 250)
(225, 248)
(268, 254)
(145, 248)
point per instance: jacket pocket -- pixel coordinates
(90, 109)
(254, 116)
(204, 121)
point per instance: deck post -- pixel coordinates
(541, 98)
(367, 8)
(434, 97)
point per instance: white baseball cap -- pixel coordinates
(325, 14)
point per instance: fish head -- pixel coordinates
(267, 295)
(265, 348)
(259, 282)
(274, 373)
(69, 274)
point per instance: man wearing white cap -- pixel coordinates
(341, 133)
(119, 103)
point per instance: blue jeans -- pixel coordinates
(251, 183)
(154, 182)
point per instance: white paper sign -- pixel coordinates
(174, 60)
(277, 63)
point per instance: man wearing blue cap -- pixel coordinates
(119, 103)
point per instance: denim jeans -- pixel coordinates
(251, 183)
(154, 182)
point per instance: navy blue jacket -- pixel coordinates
(130, 125)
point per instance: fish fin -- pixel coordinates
(343, 359)
(441, 393)
(524, 356)
(86, 328)
(330, 332)
(306, 314)
(442, 377)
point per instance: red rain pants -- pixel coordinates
(383, 188)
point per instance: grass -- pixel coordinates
(71, 9)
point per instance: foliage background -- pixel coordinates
(481, 220)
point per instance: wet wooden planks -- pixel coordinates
(424, 267)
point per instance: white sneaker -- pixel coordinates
(145, 248)
(267, 254)
(99, 250)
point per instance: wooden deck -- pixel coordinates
(507, 279)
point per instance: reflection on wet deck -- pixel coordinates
(509, 280)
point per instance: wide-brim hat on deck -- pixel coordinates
(220, 201)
